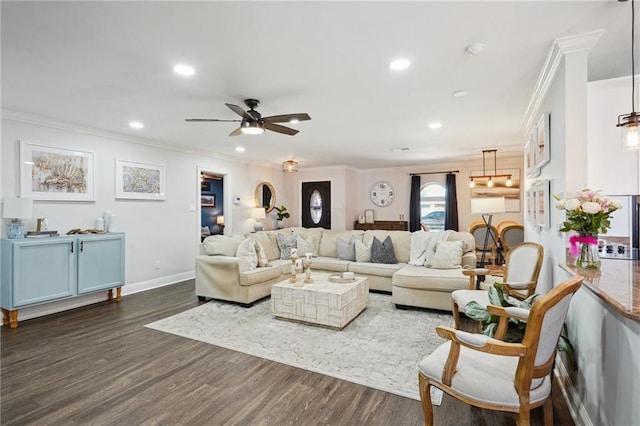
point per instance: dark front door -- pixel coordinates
(316, 204)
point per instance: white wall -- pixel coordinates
(165, 232)
(604, 389)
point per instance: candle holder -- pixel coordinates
(307, 270)
(294, 259)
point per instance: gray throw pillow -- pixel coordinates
(286, 243)
(382, 252)
(346, 249)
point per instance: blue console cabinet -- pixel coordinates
(39, 270)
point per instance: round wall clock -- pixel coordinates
(382, 193)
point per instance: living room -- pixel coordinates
(162, 237)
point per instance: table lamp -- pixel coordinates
(17, 209)
(220, 223)
(258, 213)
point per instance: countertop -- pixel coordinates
(617, 283)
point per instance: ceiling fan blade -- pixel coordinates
(240, 111)
(280, 129)
(211, 119)
(236, 132)
(284, 118)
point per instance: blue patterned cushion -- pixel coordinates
(286, 243)
(382, 252)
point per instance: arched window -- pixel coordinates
(432, 207)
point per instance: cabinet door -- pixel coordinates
(43, 271)
(100, 262)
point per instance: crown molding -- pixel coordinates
(560, 48)
(35, 120)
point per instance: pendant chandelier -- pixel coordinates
(489, 178)
(630, 122)
(290, 166)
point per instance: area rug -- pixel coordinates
(380, 349)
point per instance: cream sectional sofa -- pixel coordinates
(220, 274)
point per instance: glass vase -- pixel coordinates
(588, 255)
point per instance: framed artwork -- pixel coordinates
(531, 205)
(58, 174)
(207, 201)
(543, 155)
(530, 154)
(368, 216)
(205, 186)
(139, 181)
(511, 194)
(542, 203)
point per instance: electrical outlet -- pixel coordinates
(156, 264)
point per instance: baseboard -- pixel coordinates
(88, 299)
(574, 403)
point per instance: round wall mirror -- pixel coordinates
(265, 196)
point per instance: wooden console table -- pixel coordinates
(387, 225)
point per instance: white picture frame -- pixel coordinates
(531, 161)
(368, 216)
(542, 152)
(56, 174)
(140, 181)
(542, 203)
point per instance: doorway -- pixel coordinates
(316, 204)
(212, 201)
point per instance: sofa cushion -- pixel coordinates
(246, 254)
(346, 250)
(328, 243)
(259, 275)
(305, 245)
(221, 245)
(286, 244)
(382, 251)
(262, 256)
(376, 269)
(401, 242)
(419, 277)
(330, 264)
(448, 255)
(363, 251)
(273, 236)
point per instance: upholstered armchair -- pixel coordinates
(491, 374)
(520, 277)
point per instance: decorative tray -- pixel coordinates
(339, 279)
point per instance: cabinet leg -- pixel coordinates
(118, 294)
(10, 318)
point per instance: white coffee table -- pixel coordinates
(322, 303)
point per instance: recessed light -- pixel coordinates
(399, 64)
(404, 148)
(136, 124)
(460, 93)
(435, 125)
(474, 49)
(183, 69)
(240, 149)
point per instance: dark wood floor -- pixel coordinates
(98, 365)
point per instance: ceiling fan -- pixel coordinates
(253, 123)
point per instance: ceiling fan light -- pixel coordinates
(251, 128)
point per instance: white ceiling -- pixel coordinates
(103, 64)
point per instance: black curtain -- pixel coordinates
(414, 204)
(450, 203)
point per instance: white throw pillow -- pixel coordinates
(345, 249)
(246, 254)
(221, 245)
(305, 246)
(363, 251)
(430, 251)
(419, 241)
(448, 255)
(262, 254)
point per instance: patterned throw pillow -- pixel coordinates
(305, 246)
(346, 249)
(286, 243)
(382, 252)
(363, 251)
(448, 255)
